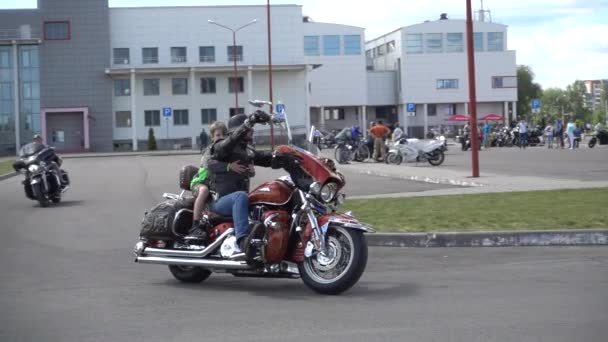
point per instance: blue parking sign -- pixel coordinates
(411, 108)
(167, 112)
(535, 103)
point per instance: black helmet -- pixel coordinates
(236, 121)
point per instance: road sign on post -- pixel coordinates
(411, 109)
(167, 112)
(535, 105)
(280, 110)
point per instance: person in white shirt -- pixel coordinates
(523, 133)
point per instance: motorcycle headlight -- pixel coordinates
(315, 188)
(328, 192)
(33, 168)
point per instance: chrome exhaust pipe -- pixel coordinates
(160, 252)
(209, 264)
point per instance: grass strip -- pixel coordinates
(538, 210)
(6, 167)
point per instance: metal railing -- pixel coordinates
(178, 59)
(20, 33)
(207, 59)
(150, 60)
(119, 60)
(239, 57)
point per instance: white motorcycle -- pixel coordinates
(413, 150)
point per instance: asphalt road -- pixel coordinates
(67, 274)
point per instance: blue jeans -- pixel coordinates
(236, 205)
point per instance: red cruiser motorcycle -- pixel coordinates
(296, 232)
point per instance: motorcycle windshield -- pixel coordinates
(30, 150)
(322, 170)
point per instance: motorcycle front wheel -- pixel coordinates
(592, 142)
(40, 197)
(341, 267)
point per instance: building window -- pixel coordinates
(206, 53)
(179, 86)
(495, 41)
(331, 45)
(6, 122)
(447, 84)
(151, 86)
(432, 109)
(381, 50)
(334, 114)
(178, 55)
(57, 30)
(208, 116)
(504, 82)
(434, 42)
(208, 85)
(123, 118)
(152, 117)
(180, 117)
(311, 45)
(149, 55)
(239, 53)
(478, 41)
(369, 53)
(390, 46)
(122, 87)
(352, 44)
(239, 83)
(241, 110)
(454, 42)
(121, 56)
(413, 43)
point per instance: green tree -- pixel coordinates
(576, 102)
(527, 90)
(151, 140)
(554, 102)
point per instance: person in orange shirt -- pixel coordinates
(379, 131)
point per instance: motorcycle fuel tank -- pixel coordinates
(274, 192)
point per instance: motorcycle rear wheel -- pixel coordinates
(436, 158)
(592, 142)
(189, 274)
(362, 153)
(341, 268)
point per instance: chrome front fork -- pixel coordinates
(318, 235)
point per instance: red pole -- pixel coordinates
(472, 93)
(269, 71)
(236, 91)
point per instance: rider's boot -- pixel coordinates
(198, 232)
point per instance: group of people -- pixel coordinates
(226, 167)
(378, 134)
(556, 132)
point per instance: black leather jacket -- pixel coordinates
(235, 148)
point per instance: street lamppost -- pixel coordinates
(234, 54)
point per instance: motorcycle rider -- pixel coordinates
(232, 187)
(55, 160)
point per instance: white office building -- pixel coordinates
(325, 74)
(429, 64)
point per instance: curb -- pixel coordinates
(424, 179)
(582, 237)
(8, 175)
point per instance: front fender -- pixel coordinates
(346, 221)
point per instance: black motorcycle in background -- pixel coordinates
(600, 137)
(44, 181)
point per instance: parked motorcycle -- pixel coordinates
(44, 181)
(415, 151)
(600, 137)
(296, 231)
(346, 152)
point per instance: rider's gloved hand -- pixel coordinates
(259, 117)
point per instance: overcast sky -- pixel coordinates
(562, 40)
